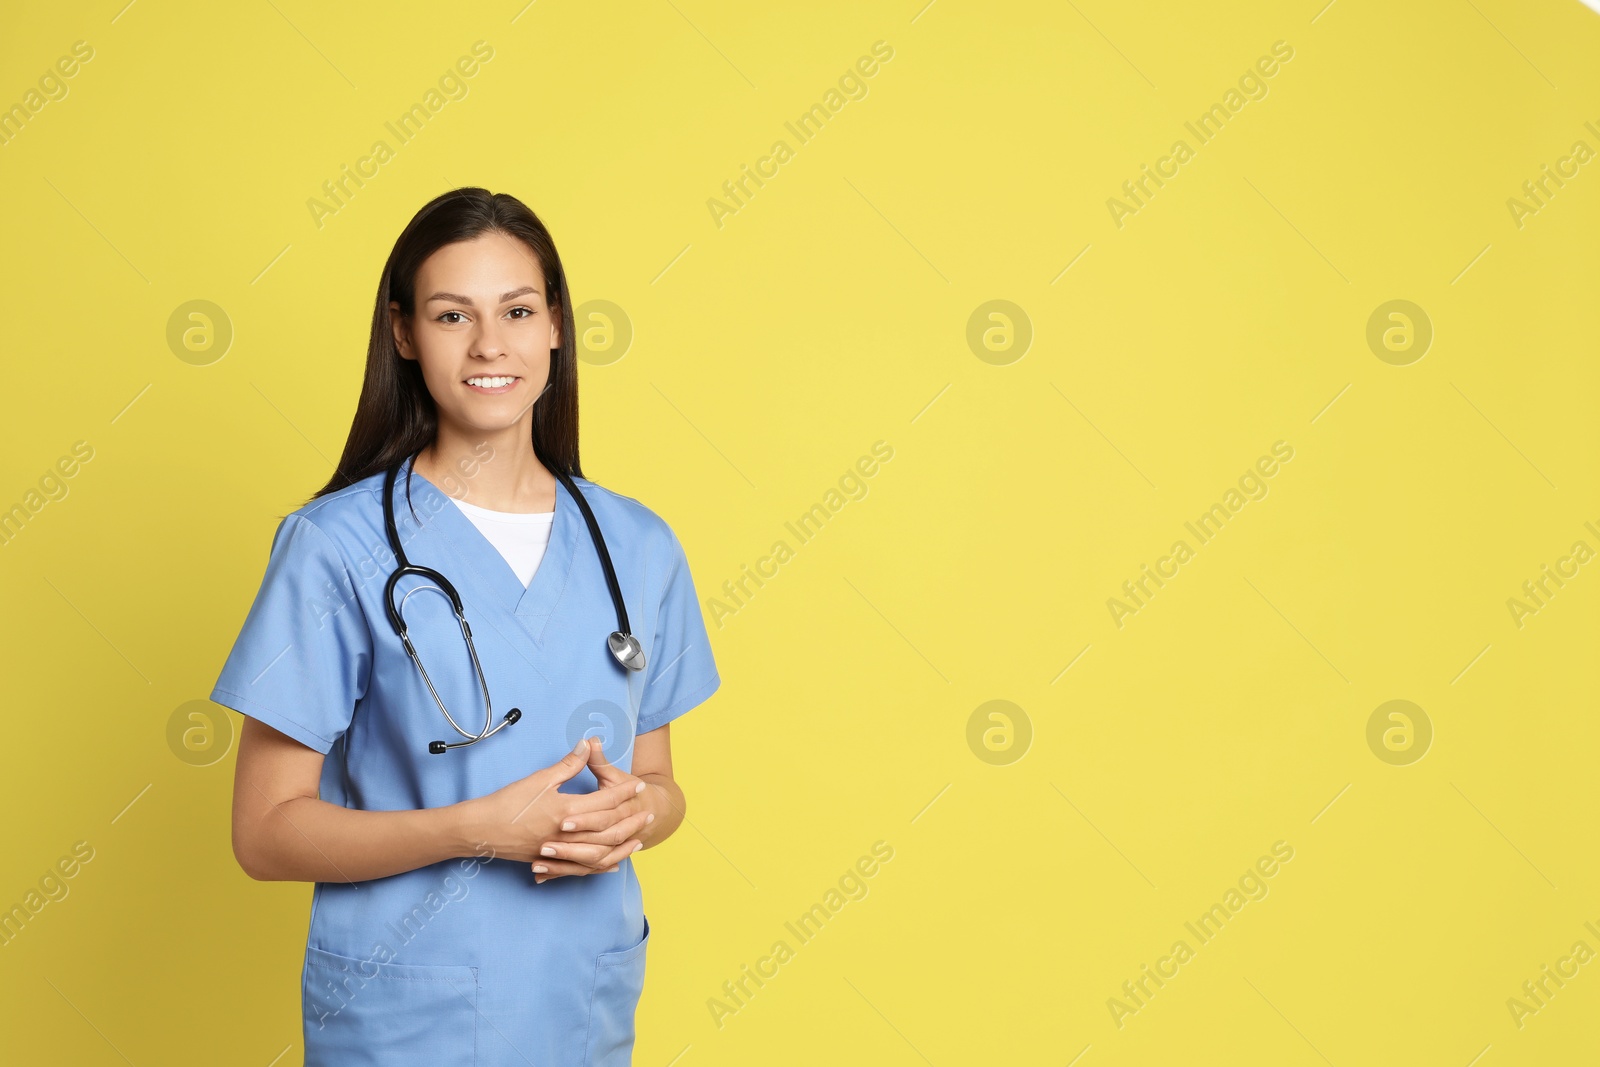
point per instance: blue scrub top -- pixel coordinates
(467, 961)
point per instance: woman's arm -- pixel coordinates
(283, 832)
(652, 761)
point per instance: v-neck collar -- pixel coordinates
(479, 563)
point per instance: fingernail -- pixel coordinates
(539, 868)
(538, 881)
(637, 847)
(582, 744)
(650, 816)
(548, 850)
(610, 869)
(568, 825)
(640, 789)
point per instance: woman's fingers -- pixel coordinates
(596, 833)
(604, 822)
(592, 854)
(620, 853)
(605, 798)
(548, 867)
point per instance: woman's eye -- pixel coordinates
(445, 317)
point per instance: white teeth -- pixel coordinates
(490, 383)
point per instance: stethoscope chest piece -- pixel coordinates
(627, 650)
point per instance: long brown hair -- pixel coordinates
(396, 416)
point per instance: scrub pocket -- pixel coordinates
(360, 1012)
(618, 981)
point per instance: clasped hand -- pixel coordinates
(564, 833)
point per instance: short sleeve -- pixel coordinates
(680, 672)
(304, 655)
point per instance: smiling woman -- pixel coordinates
(471, 368)
(488, 346)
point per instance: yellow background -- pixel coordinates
(832, 311)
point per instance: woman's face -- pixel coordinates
(482, 331)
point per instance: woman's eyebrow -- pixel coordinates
(457, 298)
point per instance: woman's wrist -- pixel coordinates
(665, 807)
(458, 838)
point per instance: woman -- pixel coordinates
(475, 898)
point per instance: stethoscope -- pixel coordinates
(623, 645)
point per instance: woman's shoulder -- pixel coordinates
(350, 511)
(355, 496)
(612, 508)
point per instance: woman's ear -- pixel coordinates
(402, 338)
(555, 329)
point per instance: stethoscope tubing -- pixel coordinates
(623, 646)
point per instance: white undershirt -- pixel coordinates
(520, 537)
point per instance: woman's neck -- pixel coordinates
(497, 472)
